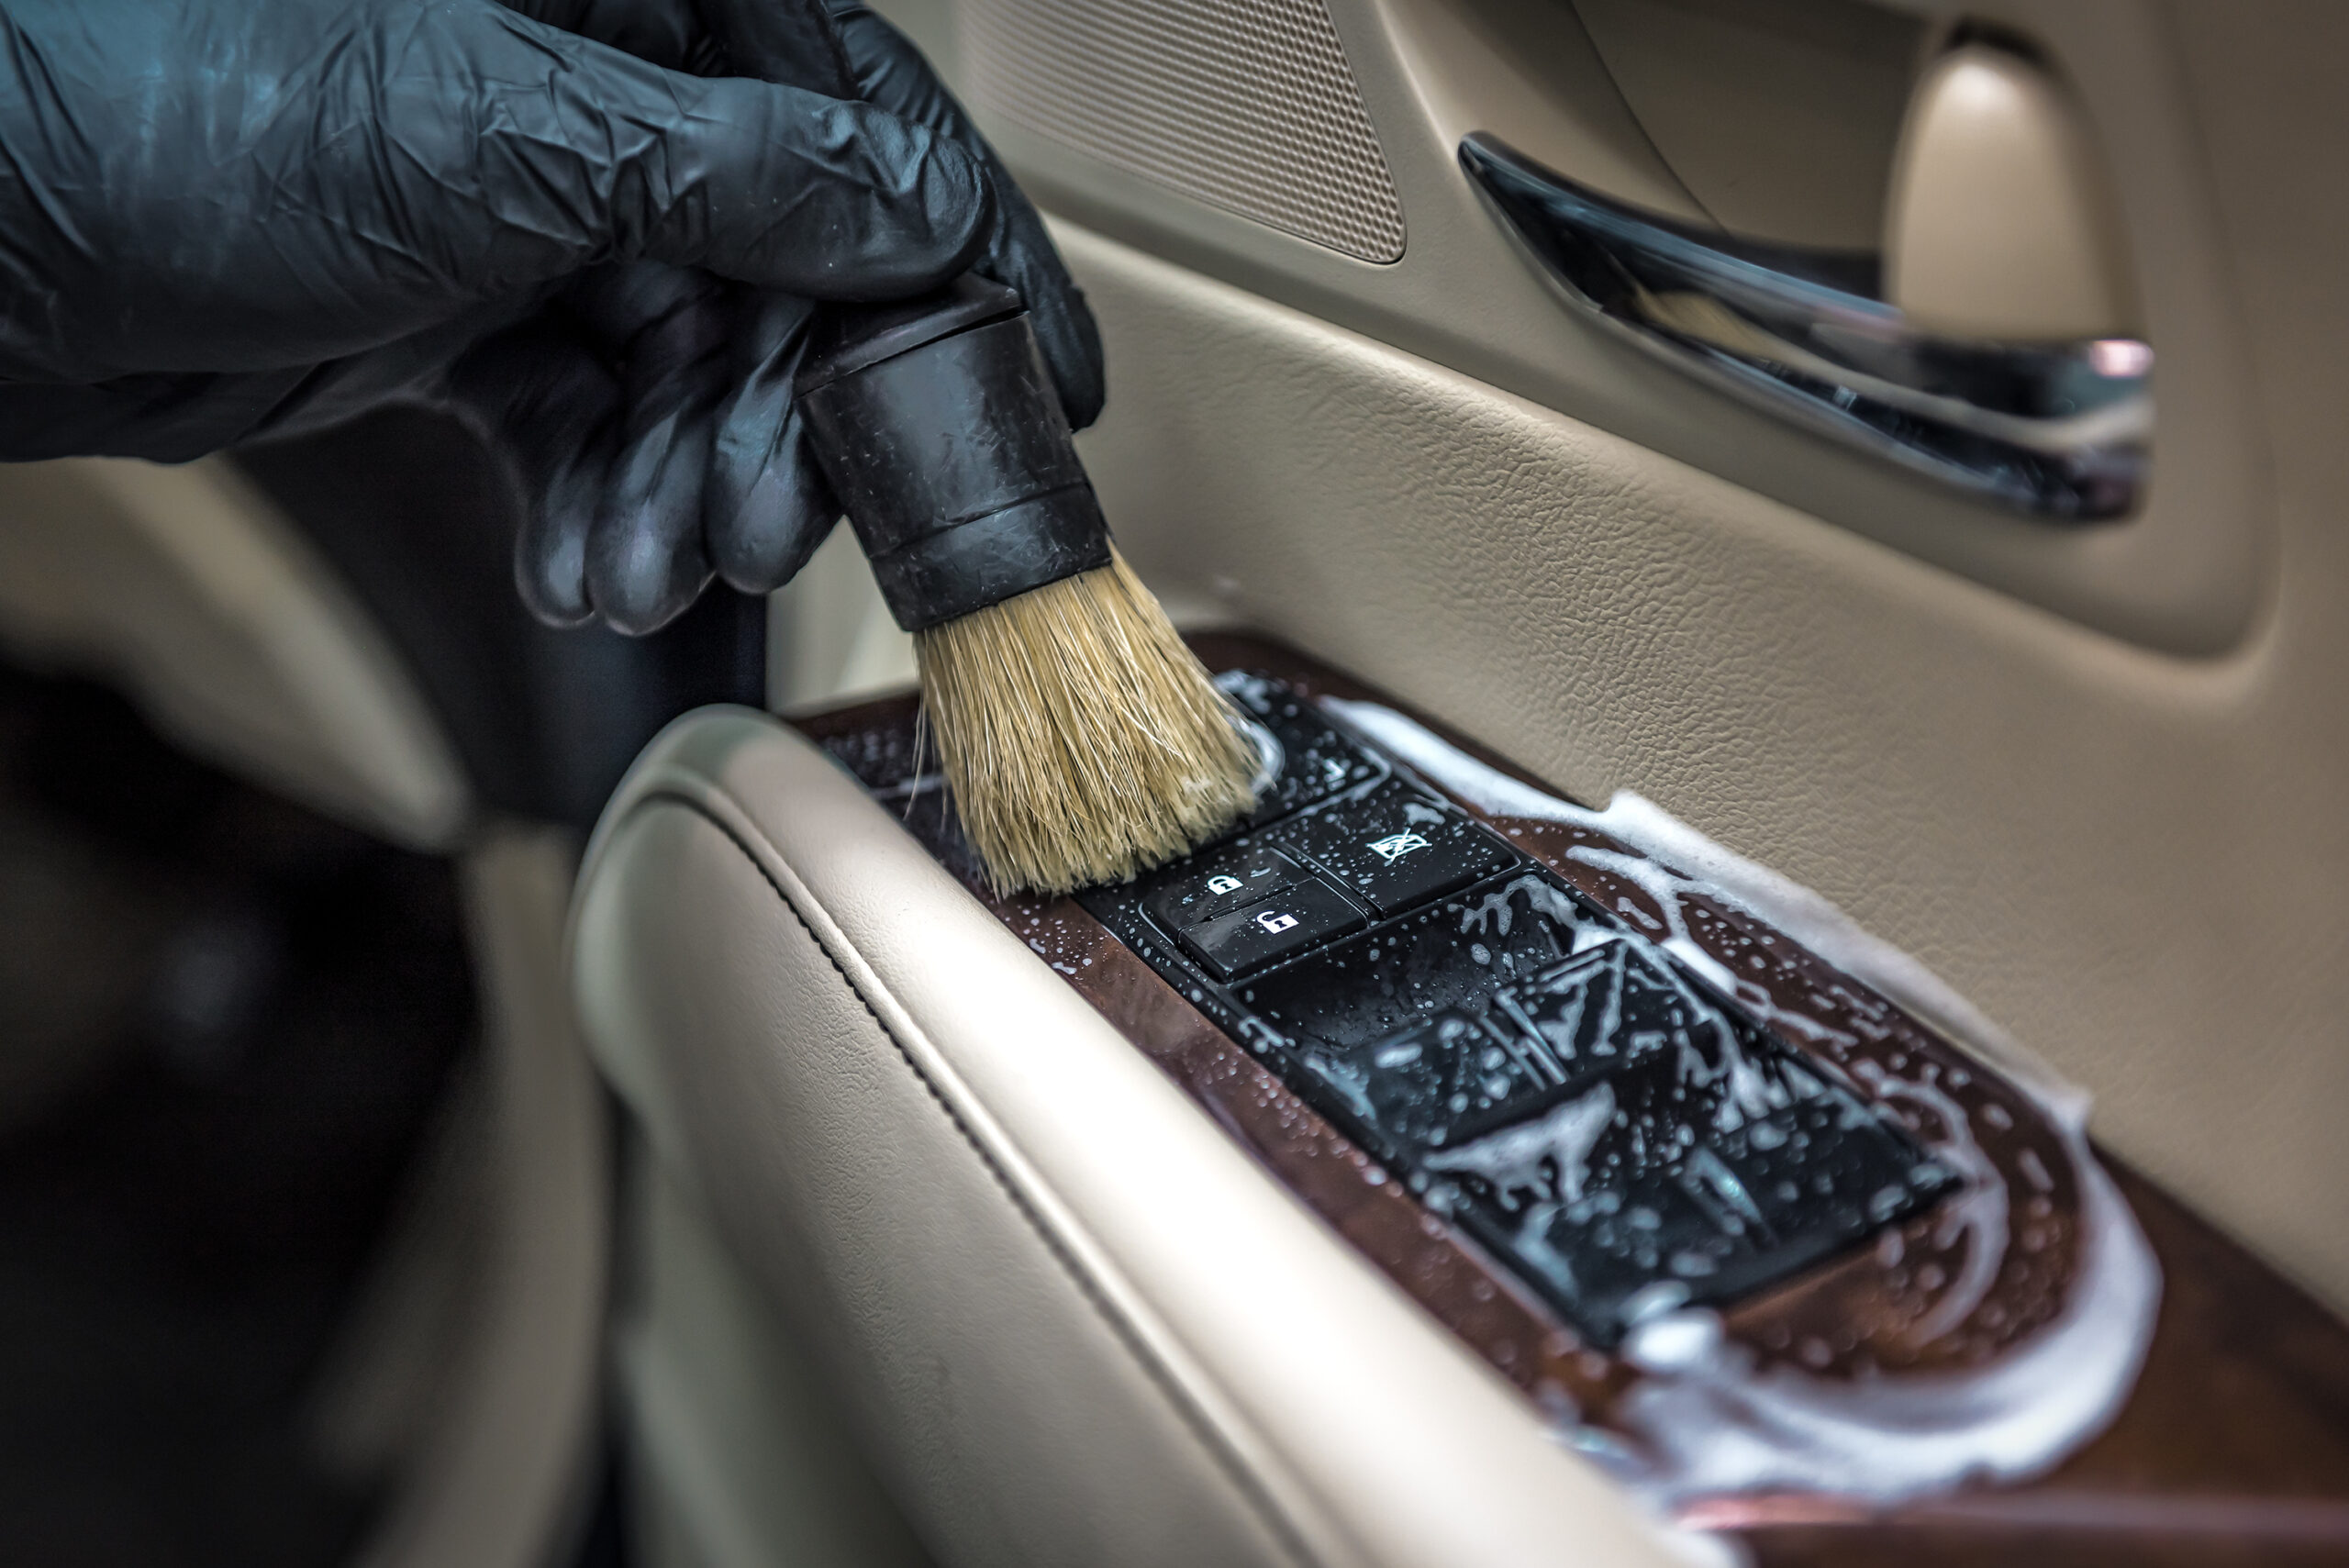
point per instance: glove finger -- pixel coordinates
(586, 151)
(670, 329)
(645, 562)
(545, 404)
(766, 505)
(892, 74)
(777, 43)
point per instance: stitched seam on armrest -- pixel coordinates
(1203, 1432)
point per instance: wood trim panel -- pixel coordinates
(2232, 1447)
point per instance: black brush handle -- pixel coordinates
(937, 424)
(935, 420)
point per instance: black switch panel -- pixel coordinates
(1315, 761)
(1452, 953)
(1217, 883)
(1634, 1142)
(1425, 1081)
(1286, 923)
(1623, 1137)
(1395, 848)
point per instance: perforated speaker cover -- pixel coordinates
(1245, 105)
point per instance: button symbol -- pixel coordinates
(1333, 771)
(1395, 846)
(1274, 922)
(1223, 881)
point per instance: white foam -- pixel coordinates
(1712, 1419)
(1511, 1159)
(1730, 877)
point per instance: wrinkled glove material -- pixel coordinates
(598, 229)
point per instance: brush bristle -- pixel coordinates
(1083, 740)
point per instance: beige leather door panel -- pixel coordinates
(2190, 574)
(2088, 775)
(2091, 777)
(1072, 1321)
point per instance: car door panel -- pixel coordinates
(2087, 775)
(2189, 575)
(1074, 1319)
(1970, 776)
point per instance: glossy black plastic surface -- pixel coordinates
(1621, 1135)
(1394, 850)
(1302, 915)
(944, 441)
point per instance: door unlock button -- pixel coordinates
(1193, 895)
(1286, 923)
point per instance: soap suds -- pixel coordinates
(1512, 1158)
(1731, 879)
(1713, 1420)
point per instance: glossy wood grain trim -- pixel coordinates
(2233, 1446)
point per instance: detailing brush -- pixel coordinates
(1081, 741)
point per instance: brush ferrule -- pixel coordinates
(945, 575)
(945, 441)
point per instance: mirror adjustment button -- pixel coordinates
(1277, 928)
(1395, 848)
(1217, 885)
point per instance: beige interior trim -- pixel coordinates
(911, 1125)
(741, 1454)
(1779, 116)
(1526, 72)
(2191, 573)
(501, 1467)
(2000, 223)
(2131, 862)
(186, 585)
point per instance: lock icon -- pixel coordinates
(1275, 922)
(1223, 881)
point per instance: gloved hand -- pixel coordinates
(705, 468)
(239, 218)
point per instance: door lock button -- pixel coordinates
(1289, 922)
(1395, 848)
(1215, 884)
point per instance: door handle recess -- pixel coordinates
(2059, 431)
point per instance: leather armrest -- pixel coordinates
(1075, 1321)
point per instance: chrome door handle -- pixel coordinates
(2056, 430)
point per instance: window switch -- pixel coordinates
(1316, 760)
(1274, 929)
(1396, 848)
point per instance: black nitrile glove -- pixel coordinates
(703, 468)
(229, 219)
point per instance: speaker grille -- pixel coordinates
(1245, 105)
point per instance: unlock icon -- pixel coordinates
(1273, 921)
